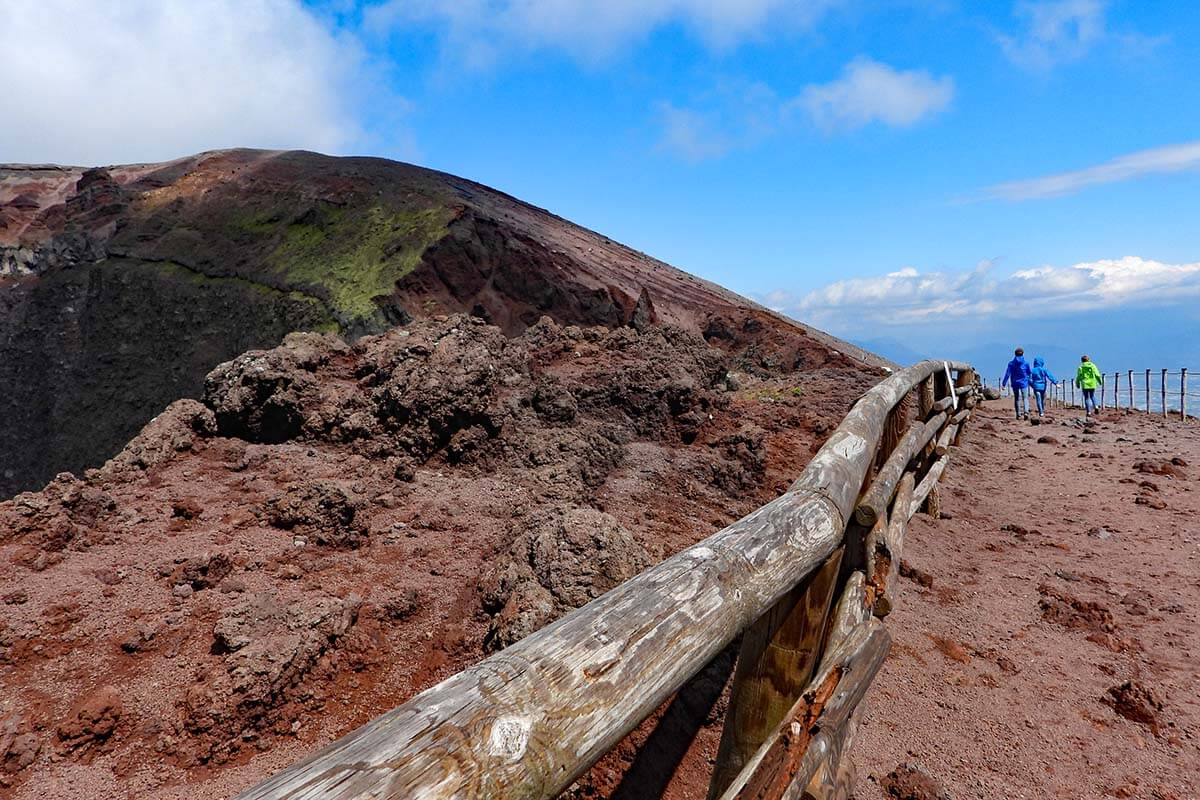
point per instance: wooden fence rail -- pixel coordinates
(805, 580)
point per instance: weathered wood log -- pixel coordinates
(853, 609)
(865, 563)
(925, 398)
(928, 484)
(874, 503)
(960, 420)
(959, 430)
(835, 777)
(945, 439)
(893, 430)
(889, 551)
(527, 721)
(933, 502)
(777, 658)
(942, 404)
(786, 763)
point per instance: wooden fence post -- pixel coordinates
(925, 401)
(933, 502)
(893, 431)
(1072, 391)
(1183, 393)
(1147, 391)
(1129, 381)
(779, 654)
(965, 377)
(1102, 392)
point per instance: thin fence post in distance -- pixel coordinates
(1164, 393)
(1129, 380)
(1147, 391)
(1183, 393)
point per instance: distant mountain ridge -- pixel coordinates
(121, 287)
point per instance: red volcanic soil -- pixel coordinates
(336, 527)
(1054, 653)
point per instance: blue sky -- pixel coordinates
(831, 158)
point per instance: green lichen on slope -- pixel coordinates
(349, 255)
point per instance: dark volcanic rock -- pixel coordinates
(1166, 467)
(19, 746)
(559, 560)
(1071, 612)
(263, 396)
(93, 719)
(203, 572)
(269, 651)
(1136, 702)
(322, 509)
(912, 782)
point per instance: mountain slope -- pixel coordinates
(120, 288)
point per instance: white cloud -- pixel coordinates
(869, 91)
(1158, 160)
(479, 32)
(1056, 31)
(909, 296)
(142, 80)
(736, 115)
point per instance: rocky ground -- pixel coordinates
(1046, 642)
(335, 527)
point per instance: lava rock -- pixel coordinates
(1136, 702)
(916, 575)
(321, 509)
(93, 719)
(559, 559)
(912, 782)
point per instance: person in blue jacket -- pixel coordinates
(1039, 379)
(1017, 373)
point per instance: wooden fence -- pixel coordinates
(1163, 391)
(806, 582)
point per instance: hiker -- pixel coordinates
(1039, 378)
(1088, 377)
(1017, 373)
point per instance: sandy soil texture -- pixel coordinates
(1053, 651)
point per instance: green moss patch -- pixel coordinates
(349, 255)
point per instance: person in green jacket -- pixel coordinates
(1088, 377)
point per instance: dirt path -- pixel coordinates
(1063, 570)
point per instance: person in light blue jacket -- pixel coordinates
(1017, 373)
(1039, 380)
